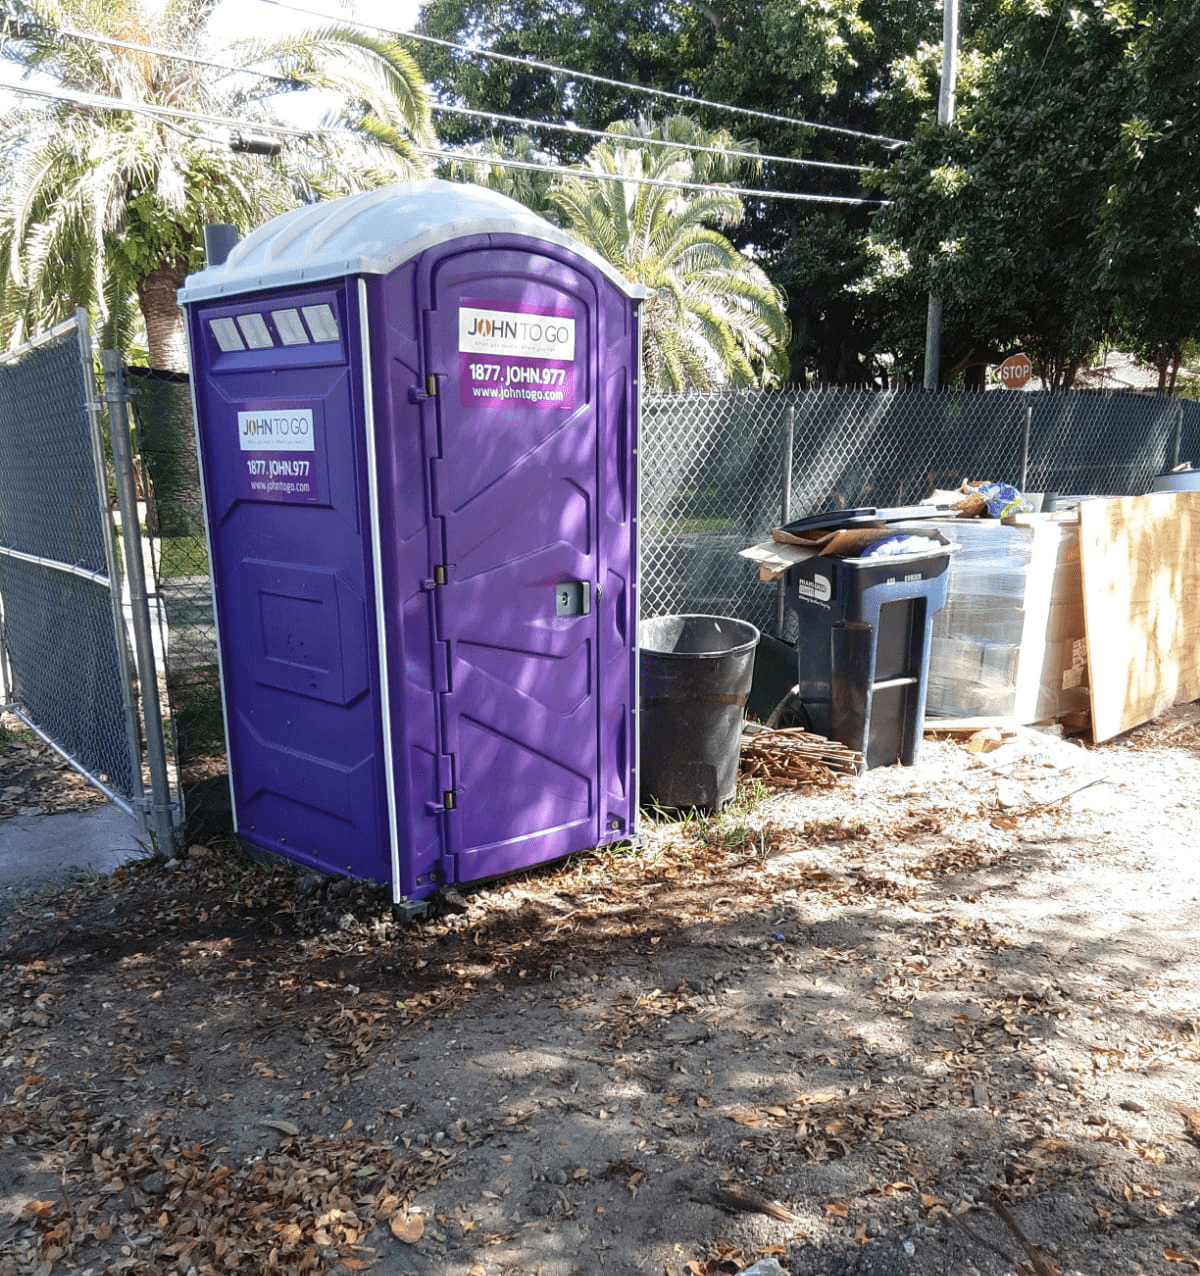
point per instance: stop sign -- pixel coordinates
(1015, 371)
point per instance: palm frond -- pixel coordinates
(712, 316)
(97, 201)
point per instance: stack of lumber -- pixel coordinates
(789, 757)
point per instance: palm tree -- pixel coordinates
(102, 206)
(712, 316)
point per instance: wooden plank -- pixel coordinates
(1141, 597)
(968, 726)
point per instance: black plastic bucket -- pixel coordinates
(696, 673)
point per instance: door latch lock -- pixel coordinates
(573, 598)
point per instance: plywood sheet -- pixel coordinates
(1141, 597)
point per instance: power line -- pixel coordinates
(176, 55)
(447, 108)
(97, 101)
(467, 157)
(594, 79)
(442, 107)
(101, 103)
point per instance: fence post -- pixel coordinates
(789, 421)
(1177, 437)
(162, 812)
(1025, 431)
(5, 674)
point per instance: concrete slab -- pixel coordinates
(51, 850)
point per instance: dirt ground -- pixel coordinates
(938, 1021)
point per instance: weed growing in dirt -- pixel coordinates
(10, 738)
(677, 832)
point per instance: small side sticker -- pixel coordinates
(817, 590)
(279, 455)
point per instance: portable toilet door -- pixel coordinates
(417, 420)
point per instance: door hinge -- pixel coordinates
(446, 804)
(438, 577)
(416, 395)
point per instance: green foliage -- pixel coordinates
(103, 204)
(1059, 208)
(822, 60)
(182, 556)
(525, 185)
(1148, 236)
(712, 317)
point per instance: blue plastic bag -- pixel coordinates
(1003, 500)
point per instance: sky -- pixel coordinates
(252, 19)
(239, 19)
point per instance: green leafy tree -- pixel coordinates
(1058, 210)
(712, 316)
(498, 164)
(827, 61)
(1148, 239)
(105, 205)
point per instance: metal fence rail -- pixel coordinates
(63, 630)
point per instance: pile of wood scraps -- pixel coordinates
(790, 756)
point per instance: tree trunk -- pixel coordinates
(165, 338)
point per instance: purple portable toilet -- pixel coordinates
(417, 417)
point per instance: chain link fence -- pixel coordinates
(64, 638)
(166, 435)
(712, 475)
(712, 468)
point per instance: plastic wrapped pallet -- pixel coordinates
(1010, 640)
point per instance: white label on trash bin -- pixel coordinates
(817, 590)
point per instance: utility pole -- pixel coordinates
(933, 321)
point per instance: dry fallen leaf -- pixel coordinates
(408, 1228)
(284, 1127)
(1174, 1256)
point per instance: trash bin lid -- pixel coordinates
(867, 515)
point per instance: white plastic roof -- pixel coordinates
(372, 234)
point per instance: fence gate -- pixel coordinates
(67, 614)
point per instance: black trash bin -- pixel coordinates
(865, 630)
(695, 679)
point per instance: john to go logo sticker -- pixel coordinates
(482, 330)
(276, 430)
